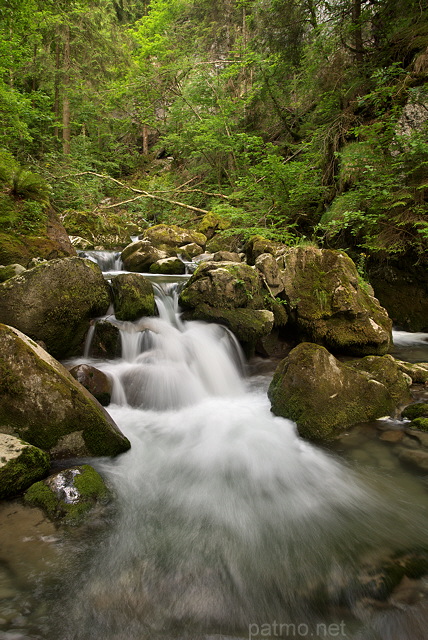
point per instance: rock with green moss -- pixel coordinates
(257, 245)
(224, 243)
(189, 251)
(106, 341)
(133, 296)
(328, 305)
(21, 464)
(226, 256)
(43, 404)
(415, 410)
(54, 303)
(10, 271)
(271, 273)
(324, 396)
(95, 381)
(385, 369)
(163, 236)
(224, 285)
(417, 372)
(211, 223)
(420, 423)
(69, 496)
(139, 256)
(248, 325)
(168, 266)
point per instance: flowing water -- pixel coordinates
(225, 523)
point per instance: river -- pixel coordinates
(225, 523)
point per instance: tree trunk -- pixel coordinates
(66, 98)
(145, 134)
(57, 85)
(357, 31)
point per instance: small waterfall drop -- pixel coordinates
(226, 518)
(108, 261)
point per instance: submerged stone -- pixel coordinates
(21, 464)
(43, 404)
(67, 497)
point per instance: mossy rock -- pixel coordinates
(324, 396)
(221, 242)
(257, 245)
(248, 325)
(54, 303)
(133, 296)
(139, 256)
(10, 271)
(417, 372)
(106, 341)
(385, 369)
(420, 423)
(168, 266)
(69, 496)
(328, 306)
(415, 410)
(223, 285)
(43, 404)
(21, 464)
(162, 235)
(212, 222)
(95, 381)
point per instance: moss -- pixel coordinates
(168, 266)
(90, 490)
(420, 423)
(416, 410)
(133, 297)
(212, 222)
(10, 382)
(19, 473)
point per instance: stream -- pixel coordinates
(225, 524)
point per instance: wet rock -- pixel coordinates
(105, 341)
(328, 306)
(415, 457)
(324, 396)
(420, 423)
(391, 435)
(81, 243)
(415, 410)
(43, 404)
(133, 296)
(95, 381)
(54, 302)
(67, 497)
(21, 464)
(10, 271)
(139, 256)
(168, 266)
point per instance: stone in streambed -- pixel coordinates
(324, 396)
(95, 381)
(43, 404)
(133, 296)
(21, 464)
(67, 497)
(172, 266)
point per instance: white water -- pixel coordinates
(226, 517)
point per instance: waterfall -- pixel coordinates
(226, 520)
(106, 260)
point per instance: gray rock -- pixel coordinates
(43, 404)
(133, 296)
(95, 381)
(54, 302)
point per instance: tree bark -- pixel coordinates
(66, 98)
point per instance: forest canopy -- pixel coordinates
(301, 120)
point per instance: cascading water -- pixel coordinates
(227, 522)
(106, 260)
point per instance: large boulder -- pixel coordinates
(329, 306)
(169, 266)
(43, 404)
(54, 302)
(139, 256)
(68, 496)
(95, 381)
(165, 236)
(133, 296)
(324, 396)
(232, 294)
(21, 464)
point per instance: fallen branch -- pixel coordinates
(141, 192)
